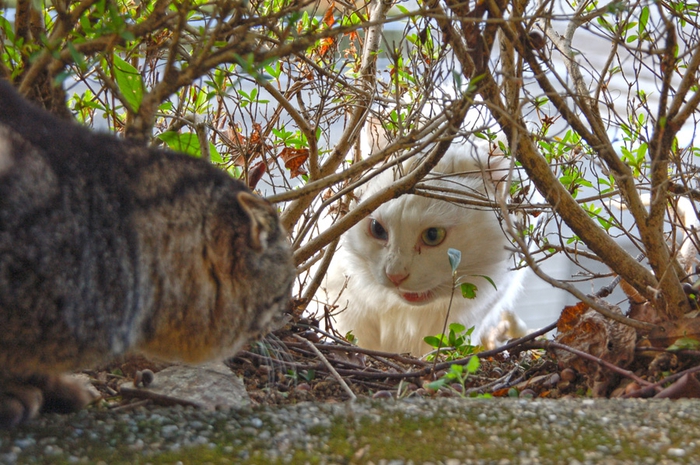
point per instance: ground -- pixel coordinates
(292, 365)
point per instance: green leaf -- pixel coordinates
(350, 337)
(473, 365)
(8, 29)
(274, 70)
(468, 290)
(685, 343)
(165, 107)
(457, 369)
(643, 19)
(487, 279)
(455, 257)
(188, 143)
(78, 58)
(436, 385)
(432, 341)
(129, 82)
(457, 328)
(214, 154)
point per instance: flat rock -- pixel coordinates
(210, 386)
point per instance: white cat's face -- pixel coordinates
(403, 245)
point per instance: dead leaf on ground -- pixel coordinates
(599, 336)
(668, 332)
(570, 317)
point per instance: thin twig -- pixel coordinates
(491, 384)
(547, 345)
(340, 379)
(131, 406)
(655, 387)
(347, 347)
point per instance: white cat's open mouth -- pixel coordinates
(417, 297)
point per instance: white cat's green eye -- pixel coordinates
(433, 236)
(377, 230)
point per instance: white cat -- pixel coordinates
(393, 274)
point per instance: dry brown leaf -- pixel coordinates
(255, 173)
(668, 332)
(570, 316)
(294, 160)
(255, 135)
(246, 148)
(328, 18)
(599, 336)
(237, 142)
(325, 45)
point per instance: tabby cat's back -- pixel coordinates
(108, 247)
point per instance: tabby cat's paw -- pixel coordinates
(19, 403)
(63, 394)
(21, 399)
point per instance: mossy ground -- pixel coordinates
(466, 430)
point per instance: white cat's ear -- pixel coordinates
(497, 167)
(478, 156)
(374, 136)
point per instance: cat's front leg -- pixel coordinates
(19, 402)
(23, 397)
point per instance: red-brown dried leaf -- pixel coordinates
(599, 336)
(668, 332)
(325, 45)
(570, 316)
(328, 18)
(255, 173)
(235, 136)
(294, 160)
(237, 141)
(255, 135)
(246, 149)
(503, 392)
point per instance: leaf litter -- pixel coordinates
(591, 356)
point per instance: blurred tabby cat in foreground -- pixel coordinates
(108, 247)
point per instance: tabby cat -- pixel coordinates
(108, 247)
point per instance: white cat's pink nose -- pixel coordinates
(397, 278)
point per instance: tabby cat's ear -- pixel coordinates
(262, 218)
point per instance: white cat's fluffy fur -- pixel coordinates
(379, 312)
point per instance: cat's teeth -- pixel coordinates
(417, 297)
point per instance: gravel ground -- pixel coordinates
(447, 431)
